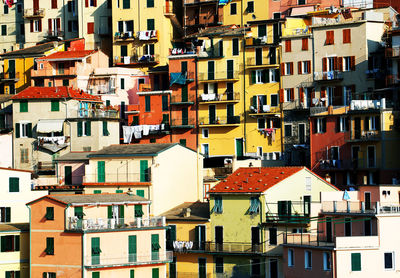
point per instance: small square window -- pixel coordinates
(250, 7)
(49, 213)
(290, 258)
(205, 132)
(288, 130)
(388, 257)
(233, 8)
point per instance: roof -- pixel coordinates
(105, 198)
(254, 179)
(15, 227)
(33, 50)
(68, 55)
(54, 93)
(74, 156)
(225, 30)
(133, 150)
(5, 98)
(198, 211)
(17, 170)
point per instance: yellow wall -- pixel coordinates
(18, 260)
(260, 12)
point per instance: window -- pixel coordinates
(49, 213)
(205, 132)
(346, 36)
(205, 150)
(13, 184)
(304, 67)
(254, 205)
(150, 4)
(123, 83)
(105, 128)
(273, 236)
(308, 183)
(307, 259)
(343, 124)
(155, 247)
(55, 105)
(255, 268)
(235, 46)
(355, 261)
(289, 94)
(260, 151)
(274, 100)
(250, 7)
(9, 243)
(126, 4)
(371, 156)
(147, 103)
(233, 9)
(23, 106)
(262, 76)
(6, 9)
(150, 24)
(54, 275)
(23, 130)
(288, 68)
(288, 45)
(49, 246)
(288, 130)
(24, 158)
(290, 258)
(261, 123)
(84, 128)
(262, 30)
(138, 211)
(320, 125)
(334, 155)
(388, 257)
(327, 261)
(330, 38)
(347, 63)
(13, 274)
(65, 82)
(96, 274)
(304, 44)
(164, 103)
(219, 265)
(4, 30)
(217, 204)
(5, 214)
(96, 191)
(90, 27)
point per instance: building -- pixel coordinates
(146, 169)
(201, 14)
(188, 234)
(14, 250)
(51, 121)
(354, 236)
(250, 211)
(12, 27)
(287, 8)
(100, 235)
(68, 68)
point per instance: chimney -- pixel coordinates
(186, 212)
(328, 178)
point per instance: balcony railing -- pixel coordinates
(296, 105)
(54, 33)
(264, 109)
(293, 212)
(233, 247)
(130, 35)
(183, 122)
(211, 53)
(227, 96)
(392, 80)
(365, 136)
(56, 140)
(365, 104)
(34, 13)
(94, 113)
(211, 19)
(9, 76)
(53, 72)
(392, 52)
(309, 239)
(219, 75)
(264, 61)
(45, 166)
(188, 2)
(132, 60)
(251, 42)
(230, 120)
(109, 260)
(147, 35)
(328, 76)
(118, 177)
(182, 99)
(97, 224)
(360, 207)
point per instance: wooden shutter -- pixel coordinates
(29, 130)
(86, 3)
(288, 46)
(299, 67)
(132, 249)
(323, 92)
(335, 63)
(324, 64)
(95, 3)
(17, 130)
(144, 171)
(50, 25)
(282, 69)
(40, 25)
(353, 63)
(80, 129)
(101, 171)
(304, 44)
(355, 261)
(309, 66)
(105, 128)
(253, 79)
(366, 123)
(121, 211)
(58, 22)
(291, 94)
(291, 68)
(338, 96)
(110, 212)
(312, 96)
(340, 63)
(88, 125)
(90, 27)
(301, 94)
(324, 125)
(281, 96)
(31, 24)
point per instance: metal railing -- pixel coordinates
(348, 207)
(233, 247)
(219, 75)
(197, 1)
(94, 113)
(329, 75)
(207, 19)
(210, 53)
(182, 122)
(264, 61)
(365, 104)
(180, 99)
(190, 75)
(219, 120)
(53, 72)
(34, 13)
(54, 33)
(44, 166)
(392, 52)
(264, 109)
(10, 75)
(135, 59)
(92, 224)
(130, 35)
(309, 239)
(370, 135)
(392, 80)
(293, 212)
(118, 177)
(227, 96)
(105, 260)
(57, 140)
(296, 105)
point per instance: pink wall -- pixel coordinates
(283, 5)
(78, 171)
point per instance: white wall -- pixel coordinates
(6, 150)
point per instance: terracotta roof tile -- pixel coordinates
(254, 180)
(54, 93)
(77, 54)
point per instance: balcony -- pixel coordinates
(41, 73)
(357, 242)
(392, 52)
(254, 42)
(211, 53)
(193, 2)
(297, 104)
(227, 97)
(392, 80)
(136, 60)
(233, 247)
(309, 239)
(365, 136)
(264, 62)
(99, 224)
(54, 34)
(45, 167)
(147, 35)
(34, 13)
(199, 20)
(53, 143)
(94, 113)
(224, 76)
(127, 36)
(181, 78)
(105, 260)
(220, 121)
(183, 99)
(334, 75)
(356, 105)
(183, 123)
(289, 212)
(263, 110)
(101, 89)
(359, 207)
(338, 164)
(118, 177)
(9, 76)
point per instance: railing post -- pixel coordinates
(334, 206)
(163, 221)
(348, 206)
(362, 207)
(139, 222)
(377, 207)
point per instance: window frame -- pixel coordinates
(290, 255)
(355, 267)
(205, 132)
(291, 130)
(233, 9)
(307, 259)
(327, 261)
(392, 254)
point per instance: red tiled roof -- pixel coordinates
(54, 93)
(254, 180)
(68, 54)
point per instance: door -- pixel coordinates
(302, 133)
(144, 171)
(357, 128)
(239, 147)
(68, 175)
(11, 69)
(229, 113)
(211, 70)
(185, 93)
(273, 268)
(202, 267)
(185, 117)
(101, 171)
(354, 155)
(229, 69)
(367, 227)
(211, 114)
(35, 5)
(124, 50)
(258, 56)
(219, 238)
(367, 200)
(229, 91)
(200, 237)
(307, 205)
(329, 229)
(255, 239)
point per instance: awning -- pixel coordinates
(47, 126)
(178, 78)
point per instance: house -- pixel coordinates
(6, 127)
(151, 171)
(11, 33)
(52, 121)
(188, 234)
(14, 250)
(354, 236)
(250, 211)
(86, 235)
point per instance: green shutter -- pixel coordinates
(119, 191)
(185, 117)
(121, 211)
(96, 274)
(80, 129)
(3, 244)
(17, 274)
(140, 193)
(150, 21)
(164, 103)
(29, 130)
(235, 46)
(126, 4)
(96, 191)
(265, 76)
(110, 212)
(88, 125)
(101, 171)
(182, 142)
(132, 248)
(49, 213)
(50, 246)
(138, 211)
(144, 171)
(253, 77)
(95, 250)
(44, 274)
(254, 102)
(155, 247)
(155, 273)
(68, 175)
(132, 273)
(262, 30)
(78, 212)
(17, 131)
(55, 105)
(150, 4)
(147, 103)
(8, 214)
(8, 274)
(14, 184)
(23, 106)
(105, 128)
(165, 119)
(16, 243)
(122, 83)
(185, 93)
(356, 262)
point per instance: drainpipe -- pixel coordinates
(30, 241)
(244, 79)
(66, 117)
(197, 127)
